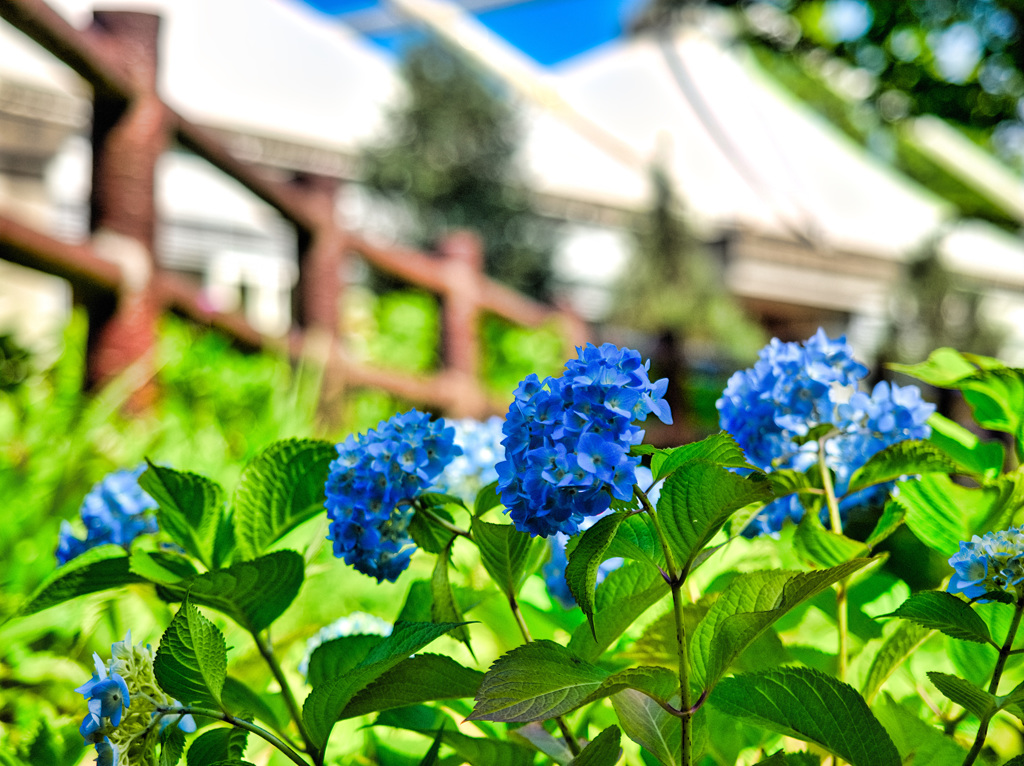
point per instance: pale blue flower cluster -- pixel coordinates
(113, 724)
(474, 469)
(567, 439)
(372, 484)
(795, 387)
(992, 562)
(107, 696)
(115, 511)
(357, 623)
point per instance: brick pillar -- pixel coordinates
(127, 140)
(463, 265)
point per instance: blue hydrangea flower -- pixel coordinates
(567, 439)
(107, 696)
(357, 623)
(992, 562)
(115, 511)
(474, 468)
(794, 387)
(372, 484)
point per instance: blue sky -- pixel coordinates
(549, 31)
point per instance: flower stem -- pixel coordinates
(454, 529)
(675, 580)
(570, 740)
(293, 706)
(997, 674)
(842, 591)
(238, 722)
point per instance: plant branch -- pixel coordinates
(570, 740)
(267, 651)
(454, 529)
(238, 722)
(997, 675)
(842, 592)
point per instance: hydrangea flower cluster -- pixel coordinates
(116, 511)
(474, 468)
(123, 697)
(567, 439)
(992, 562)
(372, 484)
(794, 387)
(357, 623)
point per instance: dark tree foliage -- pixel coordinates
(961, 60)
(449, 158)
(675, 285)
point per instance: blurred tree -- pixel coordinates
(961, 60)
(870, 66)
(674, 285)
(449, 158)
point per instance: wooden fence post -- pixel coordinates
(460, 325)
(127, 139)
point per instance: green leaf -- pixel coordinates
(417, 603)
(279, 489)
(943, 368)
(486, 499)
(905, 458)
(637, 539)
(965, 694)
(534, 682)
(189, 508)
(172, 746)
(423, 678)
(243, 702)
(475, 750)
(435, 747)
(95, 570)
(585, 558)
(719, 449)
(941, 513)
(976, 458)
(791, 759)
(625, 594)
(650, 726)
(535, 734)
(823, 547)
(336, 657)
(1017, 761)
(603, 750)
(328, 700)
(819, 431)
(660, 684)
(191, 662)
(747, 607)
(938, 610)
(894, 651)
(893, 517)
(220, 744)
(996, 398)
(444, 608)
(162, 567)
(917, 741)
(697, 500)
(504, 552)
(43, 749)
(811, 706)
(252, 593)
(430, 534)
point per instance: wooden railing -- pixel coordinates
(118, 278)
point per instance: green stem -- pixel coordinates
(570, 740)
(455, 530)
(685, 720)
(238, 722)
(842, 600)
(675, 580)
(289, 699)
(997, 675)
